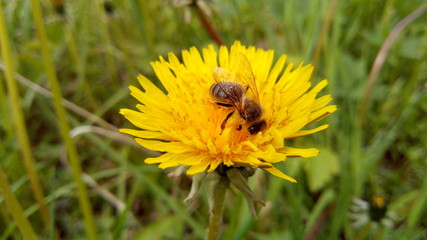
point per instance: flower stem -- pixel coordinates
(215, 219)
(213, 33)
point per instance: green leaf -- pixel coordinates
(321, 169)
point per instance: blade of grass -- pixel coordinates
(343, 199)
(245, 222)
(144, 25)
(318, 215)
(6, 123)
(102, 23)
(18, 116)
(324, 31)
(417, 210)
(71, 106)
(123, 220)
(7, 233)
(52, 235)
(381, 56)
(384, 139)
(63, 123)
(15, 208)
(294, 196)
(173, 205)
(59, 193)
(177, 207)
(79, 33)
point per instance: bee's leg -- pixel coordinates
(225, 121)
(246, 88)
(239, 127)
(224, 104)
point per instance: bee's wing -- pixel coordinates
(247, 76)
(223, 75)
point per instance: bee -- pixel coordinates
(227, 92)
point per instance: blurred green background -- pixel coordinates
(369, 182)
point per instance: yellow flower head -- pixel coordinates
(194, 129)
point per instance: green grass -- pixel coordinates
(375, 145)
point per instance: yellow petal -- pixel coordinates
(139, 119)
(321, 102)
(210, 57)
(322, 113)
(301, 133)
(249, 161)
(191, 158)
(145, 134)
(149, 98)
(214, 164)
(163, 158)
(224, 57)
(294, 126)
(199, 167)
(149, 86)
(299, 152)
(172, 147)
(276, 172)
(322, 84)
(269, 154)
(165, 76)
(272, 77)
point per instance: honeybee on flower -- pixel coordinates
(230, 108)
(228, 92)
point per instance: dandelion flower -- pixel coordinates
(363, 213)
(189, 127)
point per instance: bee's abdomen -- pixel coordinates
(226, 92)
(216, 92)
